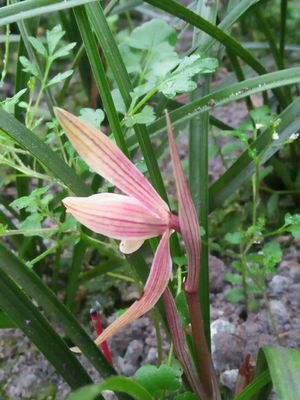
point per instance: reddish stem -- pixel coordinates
(99, 329)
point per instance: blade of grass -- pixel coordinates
(255, 386)
(36, 288)
(28, 318)
(33, 8)
(226, 95)
(198, 167)
(244, 167)
(53, 163)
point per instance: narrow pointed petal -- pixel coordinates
(104, 157)
(157, 282)
(188, 219)
(116, 216)
(180, 346)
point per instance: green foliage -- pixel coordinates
(155, 380)
(38, 164)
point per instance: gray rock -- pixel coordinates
(151, 356)
(134, 352)
(294, 273)
(229, 378)
(220, 326)
(279, 283)
(125, 368)
(279, 311)
(227, 351)
(217, 271)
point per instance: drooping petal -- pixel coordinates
(116, 216)
(188, 219)
(157, 282)
(104, 157)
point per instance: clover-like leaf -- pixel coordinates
(152, 33)
(93, 117)
(157, 379)
(180, 80)
(144, 117)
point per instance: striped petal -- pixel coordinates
(116, 216)
(104, 157)
(188, 219)
(156, 284)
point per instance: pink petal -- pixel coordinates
(104, 157)
(157, 282)
(188, 219)
(116, 216)
(180, 346)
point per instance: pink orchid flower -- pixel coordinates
(132, 218)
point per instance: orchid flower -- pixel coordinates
(132, 218)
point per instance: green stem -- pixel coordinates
(40, 94)
(6, 56)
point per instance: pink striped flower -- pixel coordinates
(132, 218)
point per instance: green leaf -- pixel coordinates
(180, 80)
(28, 140)
(235, 295)
(32, 8)
(38, 46)
(292, 219)
(186, 396)
(9, 103)
(5, 321)
(59, 77)
(231, 148)
(161, 61)
(152, 33)
(157, 379)
(53, 38)
(132, 58)
(32, 222)
(29, 66)
(259, 382)
(284, 367)
(63, 51)
(144, 117)
(30, 320)
(34, 287)
(294, 230)
(233, 237)
(115, 383)
(272, 253)
(93, 117)
(235, 279)
(182, 308)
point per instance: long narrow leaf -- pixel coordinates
(28, 318)
(35, 288)
(33, 8)
(226, 95)
(244, 167)
(115, 383)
